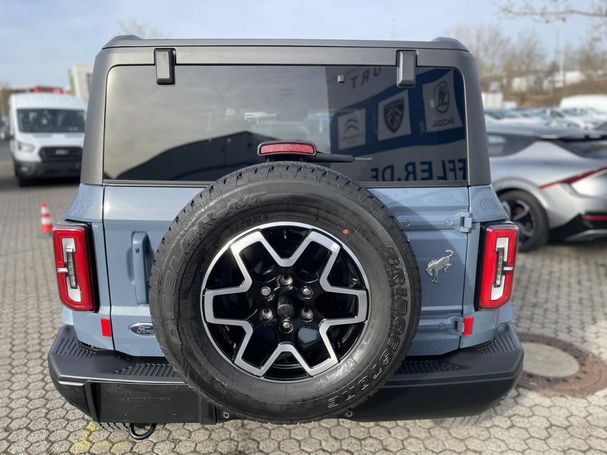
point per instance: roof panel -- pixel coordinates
(134, 41)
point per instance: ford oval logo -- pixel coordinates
(142, 328)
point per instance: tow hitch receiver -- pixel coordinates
(146, 433)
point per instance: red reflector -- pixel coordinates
(595, 217)
(468, 325)
(289, 148)
(500, 243)
(106, 327)
(72, 264)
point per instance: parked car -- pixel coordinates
(217, 263)
(585, 118)
(4, 128)
(555, 118)
(511, 116)
(551, 182)
(46, 135)
(539, 116)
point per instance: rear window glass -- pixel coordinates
(591, 148)
(214, 117)
(504, 145)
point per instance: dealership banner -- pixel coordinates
(407, 134)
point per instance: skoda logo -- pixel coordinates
(441, 97)
(142, 328)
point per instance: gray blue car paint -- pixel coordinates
(484, 207)
(87, 207)
(428, 215)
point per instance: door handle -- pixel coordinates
(140, 245)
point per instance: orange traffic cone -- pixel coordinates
(46, 224)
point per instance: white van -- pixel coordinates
(596, 104)
(47, 135)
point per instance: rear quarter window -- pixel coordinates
(506, 144)
(590, 148)
(212, 120)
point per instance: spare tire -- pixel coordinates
(285, 292)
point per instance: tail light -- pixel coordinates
(286, 148)
(70, 242)
(573, 178)
(595, 217)
(500, 242)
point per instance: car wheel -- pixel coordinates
(285, 292)
(22, 181)
(528, 214)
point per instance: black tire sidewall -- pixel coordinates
(202, 231)
(540, 229)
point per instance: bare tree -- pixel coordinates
(553, 10)
(526, 57)
(591, 57)
(132, 26)
(489, 45)
(528, 54)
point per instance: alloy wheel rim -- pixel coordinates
(520, 213)
(285, 301)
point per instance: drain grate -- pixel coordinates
(576, 372)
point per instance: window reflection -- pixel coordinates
(214, 117)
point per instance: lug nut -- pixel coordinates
(265, 291)
(306, 291)
(286, 325)
(306, 314)
(285, 280)
(265, 314)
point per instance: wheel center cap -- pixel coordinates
(285, 308)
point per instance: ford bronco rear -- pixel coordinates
(284, 231)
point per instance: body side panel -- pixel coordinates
(422, 211)
(87, 207)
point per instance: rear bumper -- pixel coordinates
(112, 387)
(589, 226)
(59, 168)
(575, 216)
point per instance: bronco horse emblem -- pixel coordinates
(436, 265)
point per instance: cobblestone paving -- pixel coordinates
(561, 292)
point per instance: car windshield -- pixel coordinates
(213, 119)
(51, 120)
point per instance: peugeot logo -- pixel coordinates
(142, 328)
(393, 114)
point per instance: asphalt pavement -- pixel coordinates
(5, 154)
(6, 165)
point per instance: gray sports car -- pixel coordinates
(552, 182)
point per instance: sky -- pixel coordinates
(40, 39)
